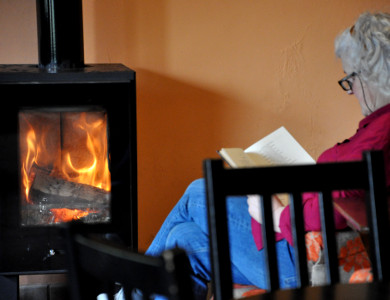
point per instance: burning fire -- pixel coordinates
(35, 153)
(71, 146)
(31, 156)
(89, 169)
(67, 215)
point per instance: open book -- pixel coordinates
(277, 148)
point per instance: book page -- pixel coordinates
(281, 148)
(277, 148)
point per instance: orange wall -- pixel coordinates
(211, 74)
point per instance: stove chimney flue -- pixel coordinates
(60, 34)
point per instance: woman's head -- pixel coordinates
(365, 49)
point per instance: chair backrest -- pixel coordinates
(98, 265)
(324, 178)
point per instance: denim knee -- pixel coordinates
(175, 236)
(196, 185)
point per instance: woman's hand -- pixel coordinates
(255, 210)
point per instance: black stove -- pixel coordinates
(61, 121)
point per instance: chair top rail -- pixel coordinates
(284, 179)
(122, 265)
(118, 252)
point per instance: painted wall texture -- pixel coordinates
(211, 74)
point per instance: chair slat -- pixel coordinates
(329, 237)
(378, 217)
(296, 213)
(269, 243)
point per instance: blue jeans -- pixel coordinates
(186, 227)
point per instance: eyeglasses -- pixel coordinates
(347, 82)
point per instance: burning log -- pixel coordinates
(57, 192)
(51, 197)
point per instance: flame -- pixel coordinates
(67, 215)
(35, 152)
(30, 158)
(87, 173)
(78, 154)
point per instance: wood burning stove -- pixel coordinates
(67, 146)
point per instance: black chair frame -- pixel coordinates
(323, 178)
(98, 263)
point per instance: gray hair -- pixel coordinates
(365, 48)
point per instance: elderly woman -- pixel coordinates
(365, 53)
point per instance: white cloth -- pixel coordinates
(254, 209)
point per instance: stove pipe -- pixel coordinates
(60, 34)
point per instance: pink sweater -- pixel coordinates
(373, 134)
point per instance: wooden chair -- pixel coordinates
(99, 265)
(367, 174)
